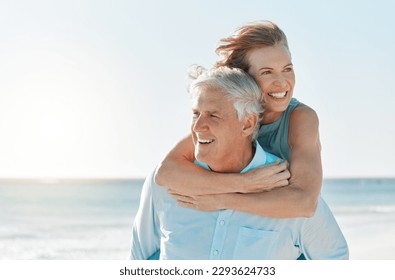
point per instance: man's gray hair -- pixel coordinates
(239, 86)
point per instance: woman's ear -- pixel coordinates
(249, 125)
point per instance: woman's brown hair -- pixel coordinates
(233, 49)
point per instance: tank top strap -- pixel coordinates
(274, 137)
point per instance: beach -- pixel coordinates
(88, 220)
(370, 236)
(365, 211)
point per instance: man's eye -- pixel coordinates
(289, 69)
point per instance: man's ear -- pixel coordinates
(249, 125)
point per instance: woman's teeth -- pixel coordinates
(278, 94)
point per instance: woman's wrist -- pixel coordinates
(228, 201)
(238, 183)
(223, 201)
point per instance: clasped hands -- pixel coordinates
(262, 179)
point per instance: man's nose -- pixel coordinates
(200, 124)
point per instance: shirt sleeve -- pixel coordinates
(321, 237)
(145, 237)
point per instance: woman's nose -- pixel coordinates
(279, 81)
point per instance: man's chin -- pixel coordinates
(201, 157)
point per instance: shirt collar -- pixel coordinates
(258, 159)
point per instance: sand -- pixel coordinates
(370, 236)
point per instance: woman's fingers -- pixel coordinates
(267, 177)
(280, 184)
(284, 175)
(183, 198)
(186, 204)
(274, 168)
(201, 202)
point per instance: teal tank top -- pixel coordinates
(274, 137)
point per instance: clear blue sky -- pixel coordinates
(98, 88)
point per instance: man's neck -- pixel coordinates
(236, 161)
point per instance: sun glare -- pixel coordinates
(49, 102)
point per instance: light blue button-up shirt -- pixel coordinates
(182, 233)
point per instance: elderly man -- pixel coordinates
(226, 115)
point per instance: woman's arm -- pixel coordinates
(179, 174)
(299, 198)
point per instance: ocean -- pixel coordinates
(92, 220)
(360, 195)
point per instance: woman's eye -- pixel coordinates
(265, 73)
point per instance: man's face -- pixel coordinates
(216, 130)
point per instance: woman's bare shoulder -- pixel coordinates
(303, 125)
(303, 112)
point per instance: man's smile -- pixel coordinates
(205, 141)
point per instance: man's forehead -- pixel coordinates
(211, 99)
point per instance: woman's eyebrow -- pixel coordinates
(265, 68)
(270, 68)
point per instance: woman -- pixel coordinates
(289, 129)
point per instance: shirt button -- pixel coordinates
(216, 252)
(222, 222)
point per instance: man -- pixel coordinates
(227, 112)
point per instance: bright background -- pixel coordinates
(97, 89)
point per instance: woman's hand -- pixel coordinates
(261, 179)
(266, 178)
(209, 202)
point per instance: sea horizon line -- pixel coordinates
(79, 180)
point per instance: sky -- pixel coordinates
(97, 89)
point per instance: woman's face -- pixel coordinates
(272, 68)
